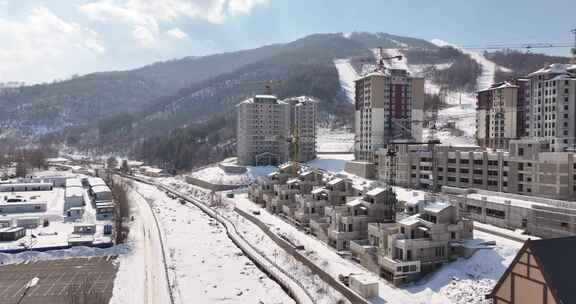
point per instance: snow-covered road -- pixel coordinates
(205, 266)
(141, 276)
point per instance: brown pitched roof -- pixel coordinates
(556, 260)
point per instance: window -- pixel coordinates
(474, 209)
(521, 151)
(495, 213)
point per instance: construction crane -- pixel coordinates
(268, 84)
(294, 141)
(392, 156)
(380, 66)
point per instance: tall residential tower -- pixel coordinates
(267, 126)
(389, 106)
(551, 111)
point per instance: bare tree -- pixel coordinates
(111, 162)
(21, 169)
(122, 209)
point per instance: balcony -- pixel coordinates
(362, 247)
(344, 235)
(399, 267)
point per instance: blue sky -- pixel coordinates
(43, 40)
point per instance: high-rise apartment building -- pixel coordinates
(388, 104)
(551, 110)
(267, 126)
(497, 115)
(263, 131)
(303, 116)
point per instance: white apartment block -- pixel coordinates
(551, 112)
(263, 131)
(267, 125)
(387, 105)
(303, 117)
(499, 114)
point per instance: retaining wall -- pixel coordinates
(353, 297)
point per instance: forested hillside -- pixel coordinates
(521, 64)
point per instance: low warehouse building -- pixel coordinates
(101, 193)
(22, 207)
(74, 197)
(96, 181)
(73, 182)
(28, 222)
(18, 187)
(12, 234)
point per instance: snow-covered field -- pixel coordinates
(215, 175)
(331, 162)
(205, 266)
(338, 140)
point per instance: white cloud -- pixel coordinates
(149, 14)
(238, 7)
(144, 36)
(39, 46)
(176, 33)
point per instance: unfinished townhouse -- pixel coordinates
(415, 245)
(264, 186)
(335, 192)
(350, 221)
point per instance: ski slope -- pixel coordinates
(463, 113)
(347, 75)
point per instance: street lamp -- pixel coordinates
(33, 282)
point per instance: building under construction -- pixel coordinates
(272, 131)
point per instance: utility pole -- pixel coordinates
(574, 48)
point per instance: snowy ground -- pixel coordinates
(463, 281)
(215, 175)
(338, 140)
(324, 294)
(331, 162)
(205, 266)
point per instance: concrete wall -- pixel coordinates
(353, 297)
(214, 187)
